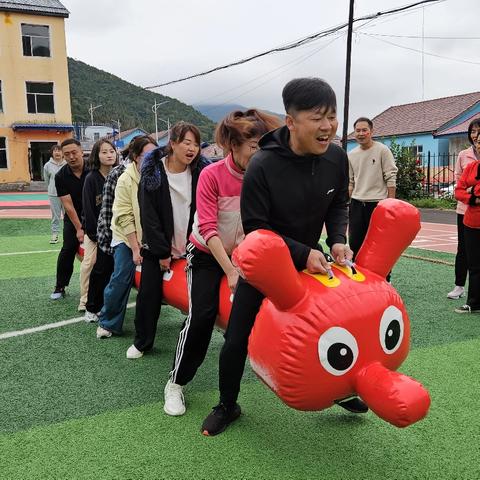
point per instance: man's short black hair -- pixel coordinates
(363, 119)
(308, 94)
(70, 141)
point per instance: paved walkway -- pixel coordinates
(438, 232)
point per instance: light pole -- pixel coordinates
(154, 110)
(91, 110)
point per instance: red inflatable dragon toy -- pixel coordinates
(318, 339)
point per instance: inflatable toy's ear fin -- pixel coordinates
(265, 262)
(393, 226)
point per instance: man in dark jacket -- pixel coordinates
(294, 185)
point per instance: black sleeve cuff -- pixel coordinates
(472, 199)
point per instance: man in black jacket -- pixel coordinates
(295, 183)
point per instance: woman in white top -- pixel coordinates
(166, 197)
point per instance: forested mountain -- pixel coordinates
(217, 112)
(123, 101)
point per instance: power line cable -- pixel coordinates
(419, 36)
(290, 65)
(471, 62)
(296, 44)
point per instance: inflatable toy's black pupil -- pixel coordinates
(392, 335)
(340, 356)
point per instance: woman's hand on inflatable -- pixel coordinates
(136, 257)
(232, 279)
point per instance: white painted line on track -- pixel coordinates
(26, 253)
(48, 326)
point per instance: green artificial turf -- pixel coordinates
(269, 440)
(72, 406)
(23, 226)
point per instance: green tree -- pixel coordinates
(410, 171)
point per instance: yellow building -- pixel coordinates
(35, 108)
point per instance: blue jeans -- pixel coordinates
(117, 291)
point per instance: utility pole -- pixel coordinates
(346, 98)
(91, 110)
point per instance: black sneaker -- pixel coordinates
(220, 418)
(467, 309)
(58, 293)
(354, 405)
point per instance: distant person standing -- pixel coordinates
(372, 177)
(468, 192)
(50, 169)
(465, 157)
(69, 183)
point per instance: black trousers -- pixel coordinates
(66, 257)
(461, 257)
(246, 305)
(99, 278)
(472, 246)
(149, 303)
(204, 275)
(358, 222)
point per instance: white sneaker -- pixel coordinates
(103, 333)
(174, 401)
(456, 293)
(90, 317)
(54, 238)
(133, 352)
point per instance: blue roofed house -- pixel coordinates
(437, 126)
(433, 130)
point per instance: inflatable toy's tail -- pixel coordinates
(393, 226)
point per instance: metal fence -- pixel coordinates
(438, 173)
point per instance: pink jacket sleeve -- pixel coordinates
(207, 204)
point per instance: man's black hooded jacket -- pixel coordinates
(295, 196)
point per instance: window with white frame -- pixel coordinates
(3, 152)
(40, 97)
(36, 40)
(1, 98)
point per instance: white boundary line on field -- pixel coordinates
(26, 253)
(48, 326)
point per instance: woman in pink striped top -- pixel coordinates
(217, 230)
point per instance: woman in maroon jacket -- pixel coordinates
(468, 192)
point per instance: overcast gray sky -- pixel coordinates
(148, 42)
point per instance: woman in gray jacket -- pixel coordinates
(50, 169)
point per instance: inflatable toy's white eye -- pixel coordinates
(337, 350)
(391, 329)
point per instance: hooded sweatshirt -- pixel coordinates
(295, 195)
(50, 169)
(126, 212)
